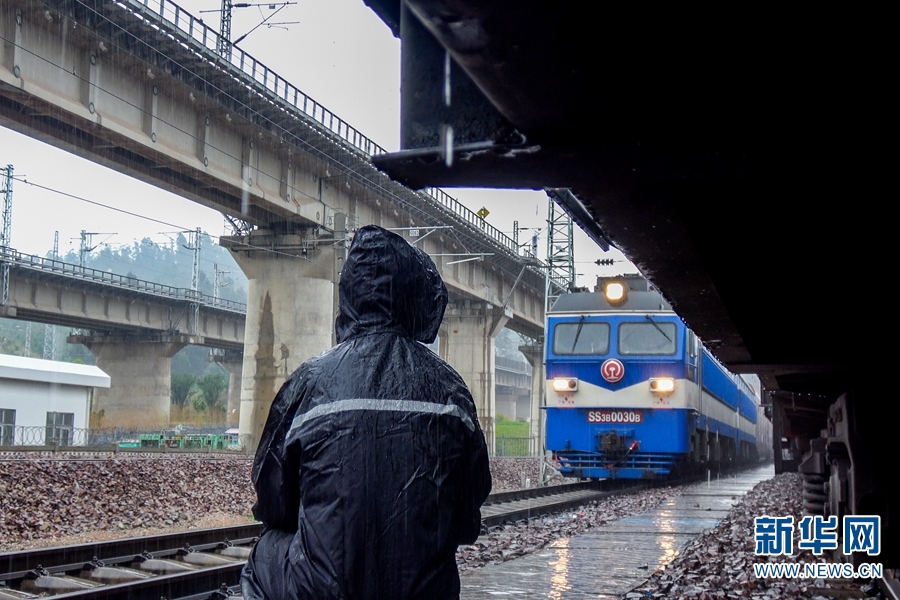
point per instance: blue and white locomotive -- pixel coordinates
(632, 393)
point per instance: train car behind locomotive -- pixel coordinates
(632, 393)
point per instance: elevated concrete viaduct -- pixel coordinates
(138, 86)
(133, 327)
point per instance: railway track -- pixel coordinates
(206, 564)
(504, 507)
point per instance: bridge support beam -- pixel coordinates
(233, 363)
(467, 343)
(534, 354)
(290, 317)
(140, 375)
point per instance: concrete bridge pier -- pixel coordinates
(290, 315)
(233, 363)
(139, 368)
(467, 343)
(534, 354)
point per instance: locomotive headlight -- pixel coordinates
(614, 291)
(662, 385)
(565, 384)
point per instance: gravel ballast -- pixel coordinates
(72, 499)
(719, 563)
(59, 501)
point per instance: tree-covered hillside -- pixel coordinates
(169, 264)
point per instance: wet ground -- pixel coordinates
(610, 561)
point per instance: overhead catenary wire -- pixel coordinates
(166, 223)
(96, 203)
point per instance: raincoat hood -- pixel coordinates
(389, 285)
(372, 466)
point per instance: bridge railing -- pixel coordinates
(48, 265)
(518, 366)
(442, 198)
(275, 88)
(206, 39)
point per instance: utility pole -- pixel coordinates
(224, 43)
(49, 342)
(86, 246)
(194, 322)
(223, 47)
(560, 257)
(49, 337)
(5, 233)
(82, 248)
(217, 282)
(560, 275)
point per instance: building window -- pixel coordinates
(59, 428)
(7, 427)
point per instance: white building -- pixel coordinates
(42, 401)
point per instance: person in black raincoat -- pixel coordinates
(372, 466)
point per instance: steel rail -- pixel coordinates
(177, 585)
(518, 505)
(499, 508)
(14, 565)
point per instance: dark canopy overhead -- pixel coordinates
(732, 153)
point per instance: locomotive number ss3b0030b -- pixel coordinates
(615, 416)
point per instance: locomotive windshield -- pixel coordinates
(647, 338)
(581, 338)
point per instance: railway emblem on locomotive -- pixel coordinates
(612, 370)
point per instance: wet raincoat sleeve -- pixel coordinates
(478, 477)
(275, 473)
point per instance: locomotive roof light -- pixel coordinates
(615, 289)
(662, 385)
(615, 292)
(565, 384)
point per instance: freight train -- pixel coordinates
(632, 393)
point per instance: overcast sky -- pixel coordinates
(336, 51)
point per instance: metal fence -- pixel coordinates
(16, 438)
(37, 438)
(512, 446)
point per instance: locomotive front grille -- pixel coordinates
(614, 465)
